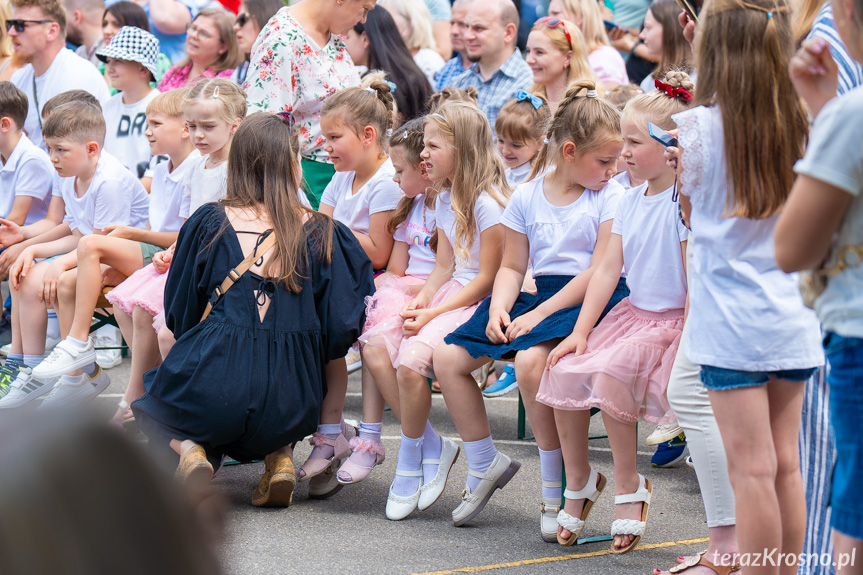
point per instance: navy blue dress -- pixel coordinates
(235, 384)
(471, 334)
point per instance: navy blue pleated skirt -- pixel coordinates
(471, 334)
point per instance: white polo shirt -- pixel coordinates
(27, 172)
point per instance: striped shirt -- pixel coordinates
(850, 72)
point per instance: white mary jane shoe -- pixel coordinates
(430, 492)
(501, 471)
(399, 507)
(548, 510)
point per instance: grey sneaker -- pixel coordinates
(8, 373)
(82, 390)
(25, 389)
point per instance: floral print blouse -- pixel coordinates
(178, 77)
(288, 72)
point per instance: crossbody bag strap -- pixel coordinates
(236, 273)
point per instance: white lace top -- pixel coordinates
(746, 314)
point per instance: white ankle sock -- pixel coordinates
(33, 360)
(431, 450)
(53, 330)
(480, 455)
(371, 431)
(77, 342)
(410, 459)
(551, 468)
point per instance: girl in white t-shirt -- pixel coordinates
(356, 123)
(460, 158)
(748, 329)
(412, 259)
(521, 127)
(561, 222)
(623, 365)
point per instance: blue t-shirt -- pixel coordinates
(440, 9)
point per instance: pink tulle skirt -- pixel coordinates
(144, 288)
(625, 369)
(416, 352)
(383, 326)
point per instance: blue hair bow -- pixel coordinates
(392, 86)
(535, 101)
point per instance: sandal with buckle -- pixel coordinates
(590, 493)
(632, 527)
(317, 465)
(125, 418)
(351, 472)
(326, 484)
(548, 510)
(699, 559)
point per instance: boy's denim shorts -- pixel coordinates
(845, 381)
(720, 378)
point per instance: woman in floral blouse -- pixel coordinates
(298, 61)
(211, 51)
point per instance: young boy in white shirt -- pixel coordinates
(26, 176)
(130, 66)
(98, 192)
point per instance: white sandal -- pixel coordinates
(632, 526)
(590, 492)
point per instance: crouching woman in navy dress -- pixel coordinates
(248, 380)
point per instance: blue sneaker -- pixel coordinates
(670, 453)
(504, 384)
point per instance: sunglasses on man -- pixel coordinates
(21, 25)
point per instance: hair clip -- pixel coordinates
(546, 141)
(392, 86)
(592, 94)
(371, 90)
(673, 92)
(441, 117)
(524, 96)
(389, 132)
(405, 135)
(215, 93)
(770, 15)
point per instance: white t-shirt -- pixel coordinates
(68, 71)
(27, 172)
(166, 194)
(561, 238)
(835, 156)
(417, 232)
(746, 313)
(487, 213)
(379, 194)
(125, 127)
(202, 186)
(651, 231)
(115, 196)
(519, 175)
(430, 62)
(623, 179)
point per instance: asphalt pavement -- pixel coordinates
(349, 533)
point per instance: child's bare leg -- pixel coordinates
(623, 437)
(65, 306)
(329, 441)
(337, 387)
(145, 353)
(124, 322)
(166, 341)
(368, 450)
(382, 374)
(123, 255)
(453, 367)
(27, 306)
(529, 367)
(373, 400)
(572, 427)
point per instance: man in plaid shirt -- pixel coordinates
(456, 65)
(498, 70)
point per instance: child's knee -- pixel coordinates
(448, 359)
(407, 377)
(89, 245)
(67, 285)
(142, 318)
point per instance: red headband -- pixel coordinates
(673, 92)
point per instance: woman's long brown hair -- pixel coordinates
(263, 176)
(743, 54)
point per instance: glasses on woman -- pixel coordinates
(21, 25)
(243, 18)
(199, 32)
(550, 22)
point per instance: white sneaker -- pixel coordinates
(354, 360)
(77, 391)
(663, 433)
(108, 358)
(25, 389)
(50, 342)
(65, 357)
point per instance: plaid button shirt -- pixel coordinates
(448, 73)
(513, 75)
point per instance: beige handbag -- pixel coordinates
(814, 282)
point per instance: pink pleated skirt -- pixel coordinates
(625, 369)
(383, 326)
(416, 352)
(145, 288)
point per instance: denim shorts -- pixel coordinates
(845, 381)
(720, 378)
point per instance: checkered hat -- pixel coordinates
(132, 44)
